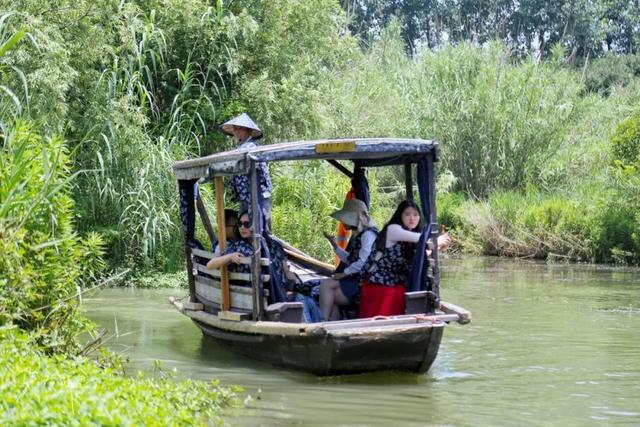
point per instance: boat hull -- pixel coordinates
(339, 352)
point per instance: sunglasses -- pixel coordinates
(245, 224)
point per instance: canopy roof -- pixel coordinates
(367, 151)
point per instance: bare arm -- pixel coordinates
(395, 234)
(218, 261)
(444, 240)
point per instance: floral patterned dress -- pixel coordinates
(384, 287)
(245, 249)
(389, 267)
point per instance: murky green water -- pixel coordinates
(548, 345)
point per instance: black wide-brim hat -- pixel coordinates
(243, 120)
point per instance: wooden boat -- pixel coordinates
(240, 317)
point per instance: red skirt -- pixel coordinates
(379, 300)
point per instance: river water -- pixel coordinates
(548, 345)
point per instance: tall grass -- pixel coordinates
(43, 261)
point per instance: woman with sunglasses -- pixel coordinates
(239, 249)
(236, 250)
(231, 228)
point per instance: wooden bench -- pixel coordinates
(209, 292)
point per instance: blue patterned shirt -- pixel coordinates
(245, 249)
(240, 185)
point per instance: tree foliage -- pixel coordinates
(134, 85)
(581, 26)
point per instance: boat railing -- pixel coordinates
(208, 284)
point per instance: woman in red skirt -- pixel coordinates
(390, 262)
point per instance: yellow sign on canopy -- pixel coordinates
(336, 147)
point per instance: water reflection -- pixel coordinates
(549, 344)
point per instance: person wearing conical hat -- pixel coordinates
(246, 133)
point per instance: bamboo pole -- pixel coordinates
(435, 230)
(206, 222)
(224, 275)
(408, 181)
(255, 240)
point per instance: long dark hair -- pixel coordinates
(409, 249)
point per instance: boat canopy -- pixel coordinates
(367, 152)
(364, 153)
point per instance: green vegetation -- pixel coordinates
(44, 262)
(41, 390)
(47, 376)
(43, 267)
(535, 107)
(586, 26)
(133, 86)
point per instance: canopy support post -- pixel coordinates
(435, 230)
(190, 278)
(341, 168)
(204, 217)
(224, 273)
(255, 242)
(408, 181)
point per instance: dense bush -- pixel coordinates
(498, 119)
(625, 142)
(611, 70)
(41, 390)
(43, 261)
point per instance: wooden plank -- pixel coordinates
(383, 331)
(233, 316)
(320, 266)
(224, 278)
(283, 328)
(401, 320)
(237, 300)
(196, 172)
(244, 277)
(341, 168)
(216, 284)
(209, 255)
(195, 306)
(464, 315)
(251, 327)
(258, 305)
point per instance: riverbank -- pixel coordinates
(43, 390)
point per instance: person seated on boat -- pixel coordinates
(246, 133)
(236, 251)
(231, 229)
(388, 267)
(241, 249)
(290, 282)
(343, 288)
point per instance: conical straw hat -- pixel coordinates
(243, 120)
(351, 212)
